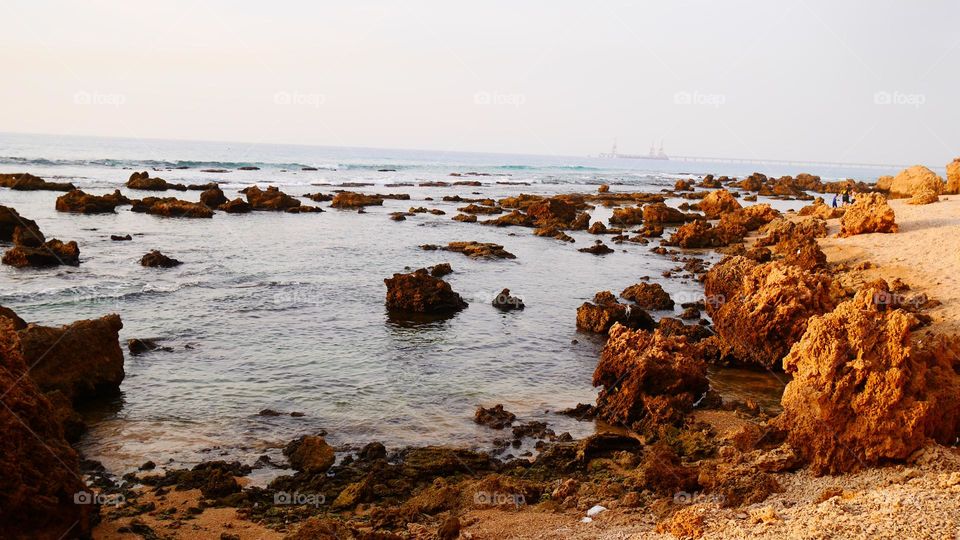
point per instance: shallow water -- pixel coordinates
(280, 311)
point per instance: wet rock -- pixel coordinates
(450, 529)
(648, 379)
(29, 182)
(400, 216)
(760, 310)
(119, 238)
(11, 220)
(319, 197)
(236, 206)
(82, 359)
(606, 311)
(514, 218)
(83, 203)
(661, 213)
(505, 302)
(155, 259)
(479, 209)
(717, 203)
(39, 471)
(648, 296)
(553, 232)
(171, 207)
(270, 199)
(604, 188)
(141, 346)
(869, 214)
(372, 451)
(683, 185)
(466, 218)
(350, 199)
(627, 216)
(419, 292)
(495, 417)
(7, 313)
(142, 180)
(476, 250)
(867, 390)
(690, 314)
(913, 181)
(440, 270)
(310, 454)
(213, 197)
(597, 228)
(598, 248)
(51, 253)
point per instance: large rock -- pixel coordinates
(717, 203)
(155, 259)
(555, 212)
(142, 180)
(648, 296)
(869, 214)
(83, 203)
(631, 215)
(419, 292)
(271, 199)
(953, 178)
(213, 197)
(82, 359)
(865, 389)
(700, 234)
(350, 199)
(310, 454)
(39, 471)
(10, 220)
(605, 311)
(760, 310)
(51, 253)
(171, 207)
(661, 213)
(29, 182)
(915, 180)
(648, 379)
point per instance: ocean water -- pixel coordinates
(286, 312)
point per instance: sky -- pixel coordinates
(870, 82)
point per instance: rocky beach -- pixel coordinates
(713, 356)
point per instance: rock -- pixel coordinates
(11, 220)
(372, 451)
(648, 296)
(15, 320)
(698, 234)
(648, 379)
(40, 479)
(171, 207)
(632, 215)
(606, 311)
(557, 213)
(480, 209)
(869, 214)
(495, 417)
(142, 180)
(270, 199)
(350, 199)
(736, 482)
(236, 206)
(953, 178)
(924, 197)
(155, 259)
(29, 182)
(717, 203)
(821, 210)
(218, 484)
(466, 218)
(865, 389)
(684, 523)
(419, 292)
(83, 203)
(450, 529)
(690, 313)
(604, 188)
(440, 270)
(683, 185)
(505, 302)
(514, 218)
(82, 359)
(140, 346)
(598, 248)
(913, 181)
(213, 197)
(661, 213)
(119, 238)
(476, 250)
(310, 454)
(51, 253)
(319, 197)
(760, 310)
(597, 228)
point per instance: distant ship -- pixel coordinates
(655, 153)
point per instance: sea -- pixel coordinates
(286, 311)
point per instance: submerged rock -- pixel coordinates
(29, 182)
(505, 302)
(495, 417)
(869, 214)
(142, 180)
(171, 207)
(155, 259)
(83, 203)
(419, 292)
(51, 253)
(601, 315)
(598, 248)
(484, 250)
(865, 389)
(648, 379)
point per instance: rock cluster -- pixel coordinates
(29, 182)
(171, 207)
(605, 311)
(30, 247)
(270, 199)
(419, 292)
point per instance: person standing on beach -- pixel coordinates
(834, 200)
(846, 197)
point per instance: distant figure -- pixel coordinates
(846, 197)
(834, 200)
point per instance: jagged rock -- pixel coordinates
(236, 206)
(310, 454)
(51, 253)
(597, 228)
(11, 220)
(648, 379)
(683, 185)
(29, 182)
(84, 203)
(913, 181)
(661, 213)
(606, 311)
(171, 207)
(479, 209)
(598, 248)
(953, 178)
(39, 471)
(155, 259)
(505, 302)
(476, 250)
(820, 210)
(924, 197)
(699, 234)
(495, 417)
(213, 197)
(760, 310)
(121, 238)
(142, 180)
(319, 197)
(648, 296)
(736, 482)
(466, 218)
(419, 292)
(866, 390)
(631, 215)
(350, 199)
(270, 199)
(717, 203)
(440, 270)
(82, 359)
(785, 231)
(869, 214)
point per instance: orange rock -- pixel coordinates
(869, 214)
(272, 199)
(953, 177)
(606, 311)
(914, 180)
(648, 296)
(419, 292)
(717, 203)
(661, 213)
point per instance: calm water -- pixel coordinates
(286, 311)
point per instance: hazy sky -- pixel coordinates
(815, 80)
